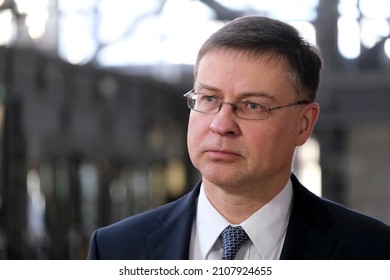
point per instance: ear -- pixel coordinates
(307, 121)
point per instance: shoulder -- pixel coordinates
(154, 218)
(356, 222)
(355, 233)
(332, 212)
(359, 236)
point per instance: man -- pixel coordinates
(252, 104)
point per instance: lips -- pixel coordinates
(222, 154)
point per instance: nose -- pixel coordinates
(224, 122)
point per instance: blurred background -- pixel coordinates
(93, 122)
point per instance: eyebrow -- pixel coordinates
(241, 95)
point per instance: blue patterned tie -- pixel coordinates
(232, 240)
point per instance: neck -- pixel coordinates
(236, 203)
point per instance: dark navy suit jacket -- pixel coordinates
(318, 229)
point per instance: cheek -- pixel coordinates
(272, 142)
(194, 133)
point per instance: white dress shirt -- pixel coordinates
(266, 229)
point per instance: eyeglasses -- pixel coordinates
(242, 108)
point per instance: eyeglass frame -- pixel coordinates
(192, 93)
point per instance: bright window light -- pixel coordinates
(348, 8)
(375, 9)
(37, 15)
(387, 48)
(373, 30)
(8, 28)
(77, 45)
(348, 37)
(308, 165)
(154, 33)
(307, 30)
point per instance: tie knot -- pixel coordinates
(232, 240)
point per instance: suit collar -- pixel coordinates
(172, 239)
(307, 236)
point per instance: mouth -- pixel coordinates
(224, 155)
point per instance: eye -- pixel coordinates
(253, 106)
(210, 98)
(202, 98)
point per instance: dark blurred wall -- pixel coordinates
(82, 148)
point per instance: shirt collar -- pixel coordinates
(266, 227)
(210, 223)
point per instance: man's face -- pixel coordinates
(229, 151)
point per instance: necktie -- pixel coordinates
(232, 240)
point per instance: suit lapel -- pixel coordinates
(172, 240)
(307, 233)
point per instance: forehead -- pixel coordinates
(243, 70)
(265, 56)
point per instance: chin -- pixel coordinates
(222, 179)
